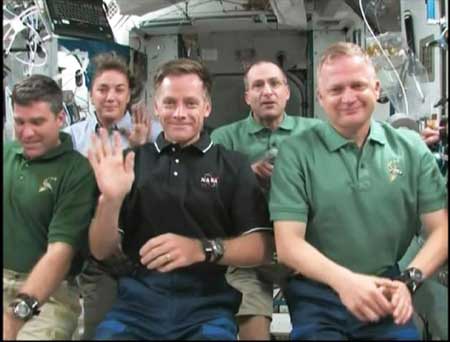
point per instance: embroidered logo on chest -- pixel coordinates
(47, 184)
(393, 167)
(209, 181)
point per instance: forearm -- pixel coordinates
(307, 260)
(104, 237)
(248, 250)
(302, 257)
(49, 272)
(44, 279)
(433, 253)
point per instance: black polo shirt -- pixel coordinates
(199, 191)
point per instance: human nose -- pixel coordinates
(110, 95)
(348, 95)
(267, 89)
(27, 132)
(180, 112)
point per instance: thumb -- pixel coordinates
(383, 282)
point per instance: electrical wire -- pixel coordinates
(386, 56)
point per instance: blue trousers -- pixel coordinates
(177, 305)
(317, 313)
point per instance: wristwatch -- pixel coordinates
(24, 307)
(412, 277)
(213, 249)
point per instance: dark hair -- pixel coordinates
(184, 66)
(111, 61)
(258, 62)
(38, 88)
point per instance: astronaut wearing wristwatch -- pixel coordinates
(24, 307)
(413, 279)
(213, 250)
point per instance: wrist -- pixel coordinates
(13, 321)
(23, 307)
(338, 279)
(202, 255)
(213, 250)
(110, 201)
(412, 277)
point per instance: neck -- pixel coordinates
(183, 144)
(271, 123)
(107, 123)
(358, 135)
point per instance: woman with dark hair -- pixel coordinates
(114, 93)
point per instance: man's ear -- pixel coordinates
(208, 108)
(319, 97)
(377, 88)
(60, 118)
(246, 97)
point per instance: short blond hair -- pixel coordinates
(343, 49)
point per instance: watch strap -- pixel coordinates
(207, 249)
(412, 277)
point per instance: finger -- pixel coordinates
(408, 314)
(92, 152)
(404, 314)
(376, 306)
(397, 303)
(400, 311)
(387, 293)
(152, 243)
(129, 162)
(117, 144)
(369, 314)
(266, 169)
(359, 314)
(154, 253)
(146, 117)
(134, 110)
(383, 306)
(159, 262)
(379, 281)
(395, 299)
(170, 266)
(138, 115)
(104, 142)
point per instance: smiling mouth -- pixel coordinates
(30, 145)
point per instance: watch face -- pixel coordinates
(22, 310)
(218, 248)
(415, 274)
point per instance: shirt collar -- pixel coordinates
(203, 144)
(65, 146)
(335, 141)
(124, 124)
(253, 127)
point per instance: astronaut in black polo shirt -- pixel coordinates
(184, 209)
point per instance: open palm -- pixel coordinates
(113, 172)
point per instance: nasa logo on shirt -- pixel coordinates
(46, 184)
(209, 181)
(393, 167)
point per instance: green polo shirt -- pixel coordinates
(361, 206)
(254, 140)
(48, 199)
